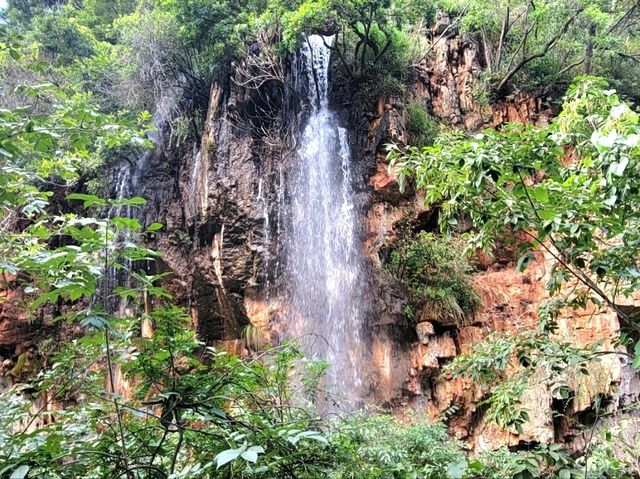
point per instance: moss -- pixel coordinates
(211, 146)
(437, 276)
(422, 128)
(20, 365)
(183, 238)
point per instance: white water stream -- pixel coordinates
(322, 257)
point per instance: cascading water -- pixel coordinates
(322, 255)
(122, 181)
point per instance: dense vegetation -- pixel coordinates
(78, 81)
(435, 272)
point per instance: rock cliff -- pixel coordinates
(222, 199)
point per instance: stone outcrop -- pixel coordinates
(409, 358)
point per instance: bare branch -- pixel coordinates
(548, 46)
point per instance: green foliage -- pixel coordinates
(20, 365)
(76, 76)
(422, 128)
(436, 274)
(570, 188)
(38, 151)
(378, 447)
(506, 366)
(208, 414)
(535, 44)
(62, 38)
(369, 33)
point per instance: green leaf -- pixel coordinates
(227, 456)
(456, 470)
(541, 194)
(524, 261)
(89, 200)
(476, 465)
(153, 227)
(564, 474)
(636, 359)
(135, 201)
(122, 222)
(251, 454)
(547, 214)
(20, 473)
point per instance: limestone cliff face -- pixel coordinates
(216, 199)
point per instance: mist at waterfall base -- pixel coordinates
(322, 260)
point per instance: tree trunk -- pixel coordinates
(588, 54)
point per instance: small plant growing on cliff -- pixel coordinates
(422, 128)
(436, 275)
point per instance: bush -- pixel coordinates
(61, 38)
(434, 271)
(370, 447)
(422, 128)
(192, 412)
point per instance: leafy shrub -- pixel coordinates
(191, 412)
(421, 127)
(378, 84)
(62, 38)
(371, 447)
(436, 275)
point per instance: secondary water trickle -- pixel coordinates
(322, 254)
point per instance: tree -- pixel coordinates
(535, 43)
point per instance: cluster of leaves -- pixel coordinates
(505, 367)
(378, 447)
(375, 40)
(130, 55)
(571, 188)
(193, 411)
(551, 461)
(60, 255)
(436, 274)
(422, 128)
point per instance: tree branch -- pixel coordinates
(549, 45)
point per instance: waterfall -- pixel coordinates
(266, 232)
(195, 183)
(122, 181)
(322, 255)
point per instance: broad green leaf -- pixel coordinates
(251, 454)
(456, 470)
(540, 194)
(20, 473)
(135, 201)
(547, 214)
(153, 227)
(227, 456)
(89, 200)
